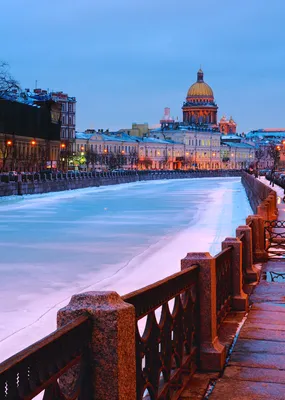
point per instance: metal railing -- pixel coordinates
(167, 348)
(223, 283)
(39, 367)
(157, 174)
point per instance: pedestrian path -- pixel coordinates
(256, 369)
(280, 194)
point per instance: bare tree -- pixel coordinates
(7, 83)
(147, 163)
(274, 154)
(259, 155)
(134, 158)
(6, 150)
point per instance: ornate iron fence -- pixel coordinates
(168, 347)
(274, 234)
(224, 283)
(39, 367)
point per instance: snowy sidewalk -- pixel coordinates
(280, 194)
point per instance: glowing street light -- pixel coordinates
(33, 142)
(9, 142)
(63, 145)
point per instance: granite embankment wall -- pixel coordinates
(45, 183)
(258, 194)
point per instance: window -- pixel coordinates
(92, 147)
(115, 149)
(199, 142)
(63, 133)
(70, 121)
(85, 147)
(126, 149)
(63, 120)
(119, 149)
(63, 107)
(70, 107)
(100, 148)
(77, 147)
(129, 149)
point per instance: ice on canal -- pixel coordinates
(118, 238)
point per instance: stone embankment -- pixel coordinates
(184, 350)
(46, 183)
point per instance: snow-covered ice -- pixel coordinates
(109, 238)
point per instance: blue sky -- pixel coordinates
(125, 60)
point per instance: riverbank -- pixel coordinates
(55, 182)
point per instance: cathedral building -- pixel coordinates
(196, 142)
(206, 145)
(200, 107)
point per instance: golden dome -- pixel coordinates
(200, 88)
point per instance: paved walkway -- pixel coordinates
(256, 369)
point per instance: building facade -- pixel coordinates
(227, 126)
(29, 134)
(197, 142)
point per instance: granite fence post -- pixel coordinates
(113, 355)
(239, 298)
(251, 274)
(258, 238)
(212, 352)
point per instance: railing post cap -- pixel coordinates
(232, 239)
(92, 302)
(243, 228)
(198, 256)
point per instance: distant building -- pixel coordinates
(139, 130)
(263, 139)
(200, 134)
(29, 133)
(227, 126)
(68, 115)
(200, 107)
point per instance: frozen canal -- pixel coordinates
(112, 238)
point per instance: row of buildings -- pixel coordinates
(38, 131)
(198, 141)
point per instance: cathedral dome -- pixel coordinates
(200, 88)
